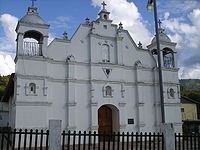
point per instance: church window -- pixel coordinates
(32, 88)
(105, 53)
(168, 58)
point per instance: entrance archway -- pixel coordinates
(108, 119)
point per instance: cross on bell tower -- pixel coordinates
(103, 13)
(159, 23)
(104, 5)
(33, 2)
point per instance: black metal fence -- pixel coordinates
(115, 141)
(39, 140)
(187, 142)
(24, 139)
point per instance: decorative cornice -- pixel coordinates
(45, 26)
(86, 81)
(172, 104)
(36, 103)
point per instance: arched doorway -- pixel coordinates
(105, 119)
(108, 119)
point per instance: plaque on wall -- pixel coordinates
(131, 121)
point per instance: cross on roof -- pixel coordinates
(159, 23)
(103, 4)
(140, 44)
(33, 2)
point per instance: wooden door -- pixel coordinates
(105, 120)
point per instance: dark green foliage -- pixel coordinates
(3, 83)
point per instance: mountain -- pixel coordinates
(190, 84)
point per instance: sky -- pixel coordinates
(180, 19)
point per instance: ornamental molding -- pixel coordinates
(36, 103)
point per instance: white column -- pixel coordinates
(119, 51)
(71, 101)
(54, 134)
(169, 137)
(122, 117)
(175, 60)
(44, 46)
(94, 117)
(20, 49)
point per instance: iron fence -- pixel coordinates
(39, 140)
(24, 139)
(187, 142)
(115, 141)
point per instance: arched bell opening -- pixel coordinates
(168, 58)
(154, 52)
(32, 43)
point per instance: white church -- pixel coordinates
(99, 80)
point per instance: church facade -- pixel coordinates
(99, 80)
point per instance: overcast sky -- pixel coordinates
(180, 19)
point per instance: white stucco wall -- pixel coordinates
(70, 79)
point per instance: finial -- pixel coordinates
(104, 5)
(87, 21)
(33, 2)
(120, 25)
(140, 44)
(65, 37)
(159, 23)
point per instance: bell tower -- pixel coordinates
(32, 34)
(167, 47)
(171, 88)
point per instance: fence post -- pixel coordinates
(169, 137)
(54, 134)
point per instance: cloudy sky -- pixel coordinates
(180, 19)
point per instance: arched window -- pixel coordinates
(155, 55)
(32, 88)
(168, 58)
(105, 53)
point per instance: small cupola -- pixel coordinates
(104, 14)
(32, 16)
(162, 36)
